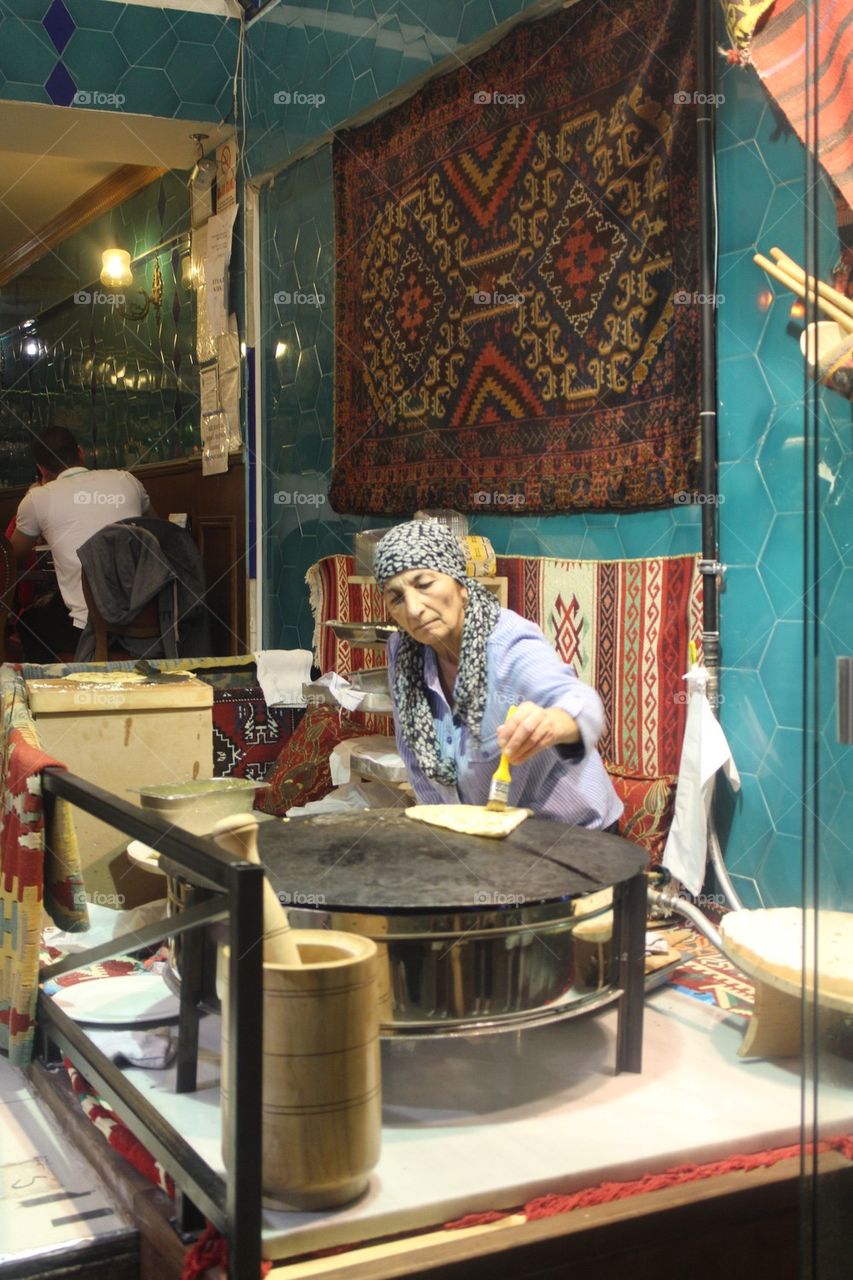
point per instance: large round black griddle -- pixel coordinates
(379, 860)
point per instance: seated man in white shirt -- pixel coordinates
(67, 507)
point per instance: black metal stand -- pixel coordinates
(629, 935)
(234, 891)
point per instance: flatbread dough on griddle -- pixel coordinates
(469, 819)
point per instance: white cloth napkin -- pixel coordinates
(704, 751)
(352, 797)
(281, 675)
(153, 1049)
(340, 689)
(379, 748)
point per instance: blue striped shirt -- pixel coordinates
(567, 784)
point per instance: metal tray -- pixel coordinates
(362, 633)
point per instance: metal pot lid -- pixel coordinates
(380, 861)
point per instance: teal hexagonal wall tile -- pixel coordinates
(781, 672)
(781, 566)
(779, 351)
(742, 489)
(780, 459)
(746, 190)
(751, 830)
(194, 27)
(785, 155)
(741, 317)
(684, 541)
(197, 75)
(836, 516)
(27, 56)
(145, 36)
(12, 92)
(95, 60)
(838, 614)
(34, 9)
(746, 405)
(647, 534)
(780, 778)
(148, 91)
(93, 17)
(746, 618)
(747, 889)
(746, 717)
(739, 116)
(780, 874)
(602, 544)
(783, 220)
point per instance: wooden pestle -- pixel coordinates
(238, 833)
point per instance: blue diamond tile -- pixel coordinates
(60, 87)
(59, 25)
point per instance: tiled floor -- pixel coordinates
(50, 1199)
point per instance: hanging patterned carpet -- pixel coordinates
(517, 308)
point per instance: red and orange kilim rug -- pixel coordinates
(517, 315)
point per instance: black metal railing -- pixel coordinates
(226, 887)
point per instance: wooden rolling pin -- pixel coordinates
(834, 296)
(238, 833)
(799, 287)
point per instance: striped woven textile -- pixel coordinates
(39, 870)
(624, 625)
(784, 61)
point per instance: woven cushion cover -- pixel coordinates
(247, 734)
(649, 805)
(301, 771)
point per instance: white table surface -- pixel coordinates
(492, 1121)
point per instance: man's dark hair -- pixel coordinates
(55, 449)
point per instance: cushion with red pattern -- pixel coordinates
(649, 807)
(300, 773)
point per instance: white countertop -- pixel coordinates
(492, 1121)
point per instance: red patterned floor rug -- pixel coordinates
(708, 976)
(517, 317)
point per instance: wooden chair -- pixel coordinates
(145, 626)
(8, 578)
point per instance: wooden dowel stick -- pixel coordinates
(239, 834)
(825, 290)
(843, 321)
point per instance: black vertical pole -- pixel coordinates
(245, 1076)
(705, 82)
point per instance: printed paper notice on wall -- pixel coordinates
(228, 346)
(214, 423)
(219, 232)
(226, 175)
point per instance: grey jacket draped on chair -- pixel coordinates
(133, 562)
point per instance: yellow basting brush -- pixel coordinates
(499, 789)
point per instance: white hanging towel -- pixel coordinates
(704, 751)
(281, 675)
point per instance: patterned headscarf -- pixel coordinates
(428, 545)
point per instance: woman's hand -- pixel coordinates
(532, 729)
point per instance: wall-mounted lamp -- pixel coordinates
(115, 269)
(116, 274)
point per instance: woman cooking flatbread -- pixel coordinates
(459, 664)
